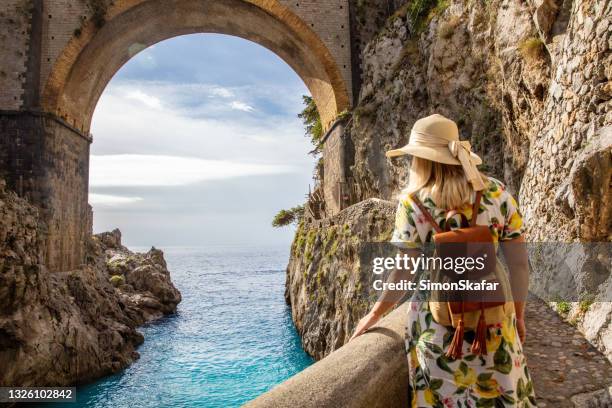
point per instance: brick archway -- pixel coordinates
(66, 52)
(90, 59)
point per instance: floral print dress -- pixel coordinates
(498, 379)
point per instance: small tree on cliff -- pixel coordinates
(314, 130)
(287, 217)
(312, 123)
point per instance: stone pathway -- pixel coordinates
(562, 363)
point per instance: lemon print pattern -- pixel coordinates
(498, 379)
(501, 377)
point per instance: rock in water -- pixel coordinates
(72, 327)
(142, 280)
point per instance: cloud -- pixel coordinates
(125, 125)
(220, 91)
(158, 170)
(111, 200)
(147, 100)
(237, 105)
(165, 125)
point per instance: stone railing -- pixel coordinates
(370, 371)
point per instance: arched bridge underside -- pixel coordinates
(61, 54)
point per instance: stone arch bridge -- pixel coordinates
(59, 55)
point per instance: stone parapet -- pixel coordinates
(370, 371)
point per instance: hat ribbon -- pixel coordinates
(461, 149)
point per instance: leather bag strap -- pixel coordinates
(426, 213)
(451, 214)
(475, 208)
(434, 224)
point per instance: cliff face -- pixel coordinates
(71, 327)
(528, 84)
(326, 287)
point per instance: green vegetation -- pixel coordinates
(410, 51)
(385, 236)
(420, 12)
(343, 115)
(585, 304)
(300, 239)
(287, 217)
(446, 29)
(312, 123)
(358, 287)
(563, 307)
(117, 280)
(321, 272)
(531, 49)
(318, 248)
(366, 110)
(311, 236)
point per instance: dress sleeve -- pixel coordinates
(513, 220)
(405, 233)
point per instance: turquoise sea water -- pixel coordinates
(231, 340)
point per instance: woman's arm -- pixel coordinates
(388, 298)
(515, 254)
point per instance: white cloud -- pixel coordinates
(123, 125)
(262, 139)
(158, 170)
(220, 91)
(237, 105)
(111, 200)
(148, 100)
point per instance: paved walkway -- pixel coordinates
(562, 363)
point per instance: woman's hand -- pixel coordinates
(522, 330)
(365, 323)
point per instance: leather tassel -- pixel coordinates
(479, 346)
(455, 349)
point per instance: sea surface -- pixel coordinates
(231, 339)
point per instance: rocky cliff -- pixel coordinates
(528, 83)
(326, 287)
(71, 327)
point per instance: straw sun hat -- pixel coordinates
(436, 138)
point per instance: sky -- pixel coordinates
(197, 143)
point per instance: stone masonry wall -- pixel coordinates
(47, 162)
(63, 20)
(566, 188)
(330, 20)
(334, 169)
(14, 36)
(67, 166)
(45, 159)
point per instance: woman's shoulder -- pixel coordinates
(494, 184)
(405, 198)
(495, 188)
(497, 195)
(409, 200)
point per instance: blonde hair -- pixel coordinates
(446, 184)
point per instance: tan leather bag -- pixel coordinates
(464, 310)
